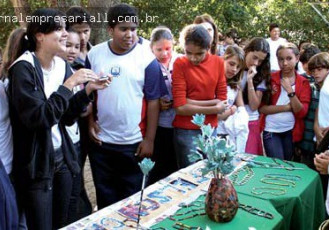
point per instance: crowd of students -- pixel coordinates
(129, 98)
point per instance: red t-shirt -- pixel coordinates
(205, 81)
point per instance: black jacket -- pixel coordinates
(32, 116)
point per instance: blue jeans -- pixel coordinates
(115, 172)
(183, 143)
(46, 201)
(278, 145)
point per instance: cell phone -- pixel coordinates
(103, 78)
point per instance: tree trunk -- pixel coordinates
(22, 9)
(99, 30)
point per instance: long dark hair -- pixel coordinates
(263, 70)
(44, 21)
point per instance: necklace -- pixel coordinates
(256, 211)
(267, 190)
(249, 174)
(267, 180)
(284, 176)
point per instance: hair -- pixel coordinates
(195, 34)
(273, 26)
(290, 46)
(13, 46)
(320, 60)
(303, 43)
(161, 32)
(79, 14)
(309, 51)
(263, 70)
(235, 51)
(121, 10)
(207, 18)
(28, 41)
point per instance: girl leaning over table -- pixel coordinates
(41, 104)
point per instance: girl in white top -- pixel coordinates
(233, 62)
(256, 88)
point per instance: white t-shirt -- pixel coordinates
(73, 130)
(281, 122)
(6, 139)
(253, 115)
(324, 105)
(52, 79)
(274, 45)
(121, 106)
(231, 97)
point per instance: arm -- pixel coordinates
(296, 105)
(190, 109)
(254, 96)
(304, 98)
(272, 109)
(145, 149)
(202, 103)
(239, 99)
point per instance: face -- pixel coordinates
(124, 36)
(210, 29)
(195, 54)
(255, 58)
(275, 33)
(287, 61)
(162, 49)
(232, 67)
(54, 42)
(320, 74)
(72, 47)
(83, 31)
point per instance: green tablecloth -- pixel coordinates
(242, 220)
(302, 207)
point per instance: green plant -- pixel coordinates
(218, 153)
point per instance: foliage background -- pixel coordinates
(297, 19)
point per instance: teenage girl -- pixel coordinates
(41, 104)
(290, 99)
(164, 152)
(256, 88)
(199, 87)
(208, 22)
(233, 62)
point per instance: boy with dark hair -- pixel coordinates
(82, 25)
(125, 116)
(308, 51)
(274, 41)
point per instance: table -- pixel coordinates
(301, 207)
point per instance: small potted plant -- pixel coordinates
(221, 200)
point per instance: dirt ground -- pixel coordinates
(89, 184)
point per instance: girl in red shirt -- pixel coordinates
(199, 87)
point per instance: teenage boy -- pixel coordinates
(126, 114)
(274, 41)
(82, 25)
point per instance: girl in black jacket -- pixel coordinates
(41, 104)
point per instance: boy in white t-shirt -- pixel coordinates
(274, 41)
(126, 114)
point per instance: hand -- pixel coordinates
(286, 84)
(94, 131)
(145, 148)
(321, 162)
(233, 109)
(252, 71)
(79, 77)
(98, 84)
(165, 104)
(221, 106)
